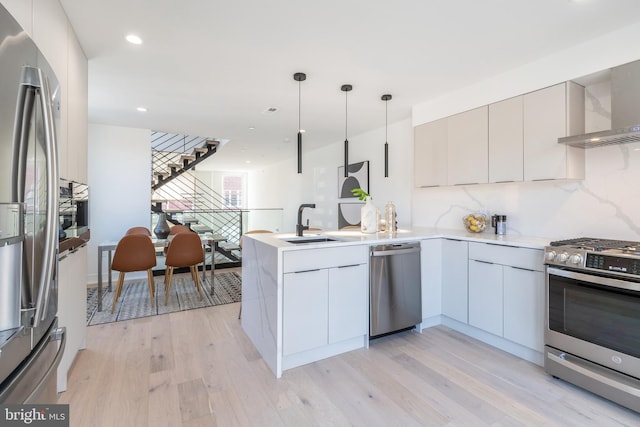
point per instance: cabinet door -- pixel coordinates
(72, 303)
(524, 307)
(549, 114)
(430, 154)
(431, 272)
(506, 140)
(454, 279)
(77, 115)
(468, 144)
(348, 302)
(485, 296)
(544, 122)
(305, 308)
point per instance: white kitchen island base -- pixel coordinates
(304, 303)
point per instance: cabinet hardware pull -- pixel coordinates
(520, 268)
(307, 271)
(347, 266)
(484, 262)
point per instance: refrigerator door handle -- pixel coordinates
(57, 334)
(33, 81)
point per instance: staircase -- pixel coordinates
(178, 191)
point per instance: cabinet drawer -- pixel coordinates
(530, 259)
(311, 259)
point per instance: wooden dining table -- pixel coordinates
(208, 240)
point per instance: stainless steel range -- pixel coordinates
(592, 334)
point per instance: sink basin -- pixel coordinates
(309, 239)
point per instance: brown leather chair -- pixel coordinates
(139, 230)
(134, 252)
(185, 250)
(179, 229)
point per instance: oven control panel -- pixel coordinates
(613, 264)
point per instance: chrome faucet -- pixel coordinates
(299, 227)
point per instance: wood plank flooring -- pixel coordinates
(198, 368)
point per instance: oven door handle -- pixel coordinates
(594, 375)
(595, 279)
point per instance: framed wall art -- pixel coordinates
(358, 177)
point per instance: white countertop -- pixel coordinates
(350, 237)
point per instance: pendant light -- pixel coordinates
(299, 77)
(346, 89)
(386, 99)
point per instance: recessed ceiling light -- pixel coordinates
(133, 39)
(142, 109)
(247, 161)
(252, 128)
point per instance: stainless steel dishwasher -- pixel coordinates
(395, 298)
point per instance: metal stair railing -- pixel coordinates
(184, 197)
(174, 155)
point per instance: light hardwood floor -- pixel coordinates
(198, 368)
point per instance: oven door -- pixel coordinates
(594, 317)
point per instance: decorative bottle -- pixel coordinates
(390, 218)
(368, 217)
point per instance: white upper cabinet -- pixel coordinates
(506, 137)
(509, 141)
(467, 149)
(430, 154)
(77, 114)
(551, 113)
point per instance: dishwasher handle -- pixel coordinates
(398, 251)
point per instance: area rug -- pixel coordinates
(134, 298)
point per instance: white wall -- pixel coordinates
(281, 186)
(119, 185)
(606, 204)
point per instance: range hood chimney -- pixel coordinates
(625, 111)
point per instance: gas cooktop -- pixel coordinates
(599, 245)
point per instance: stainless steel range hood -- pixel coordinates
(625, 111)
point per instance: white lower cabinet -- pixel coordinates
(485, 296)
(455, 279)
(305, 300)
(524, 307)
(72, 303)
(325, 298)
(348, 297)
(506, 292)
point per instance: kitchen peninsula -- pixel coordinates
(305, 299)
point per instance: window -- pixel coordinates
(232, 194)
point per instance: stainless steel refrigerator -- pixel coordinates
(31, 344)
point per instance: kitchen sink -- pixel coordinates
(309, 239)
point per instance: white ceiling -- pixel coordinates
(211, 68)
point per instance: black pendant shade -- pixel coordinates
(386, 99)
(346, 89)
(299, 77)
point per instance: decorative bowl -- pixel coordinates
(475, 222)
